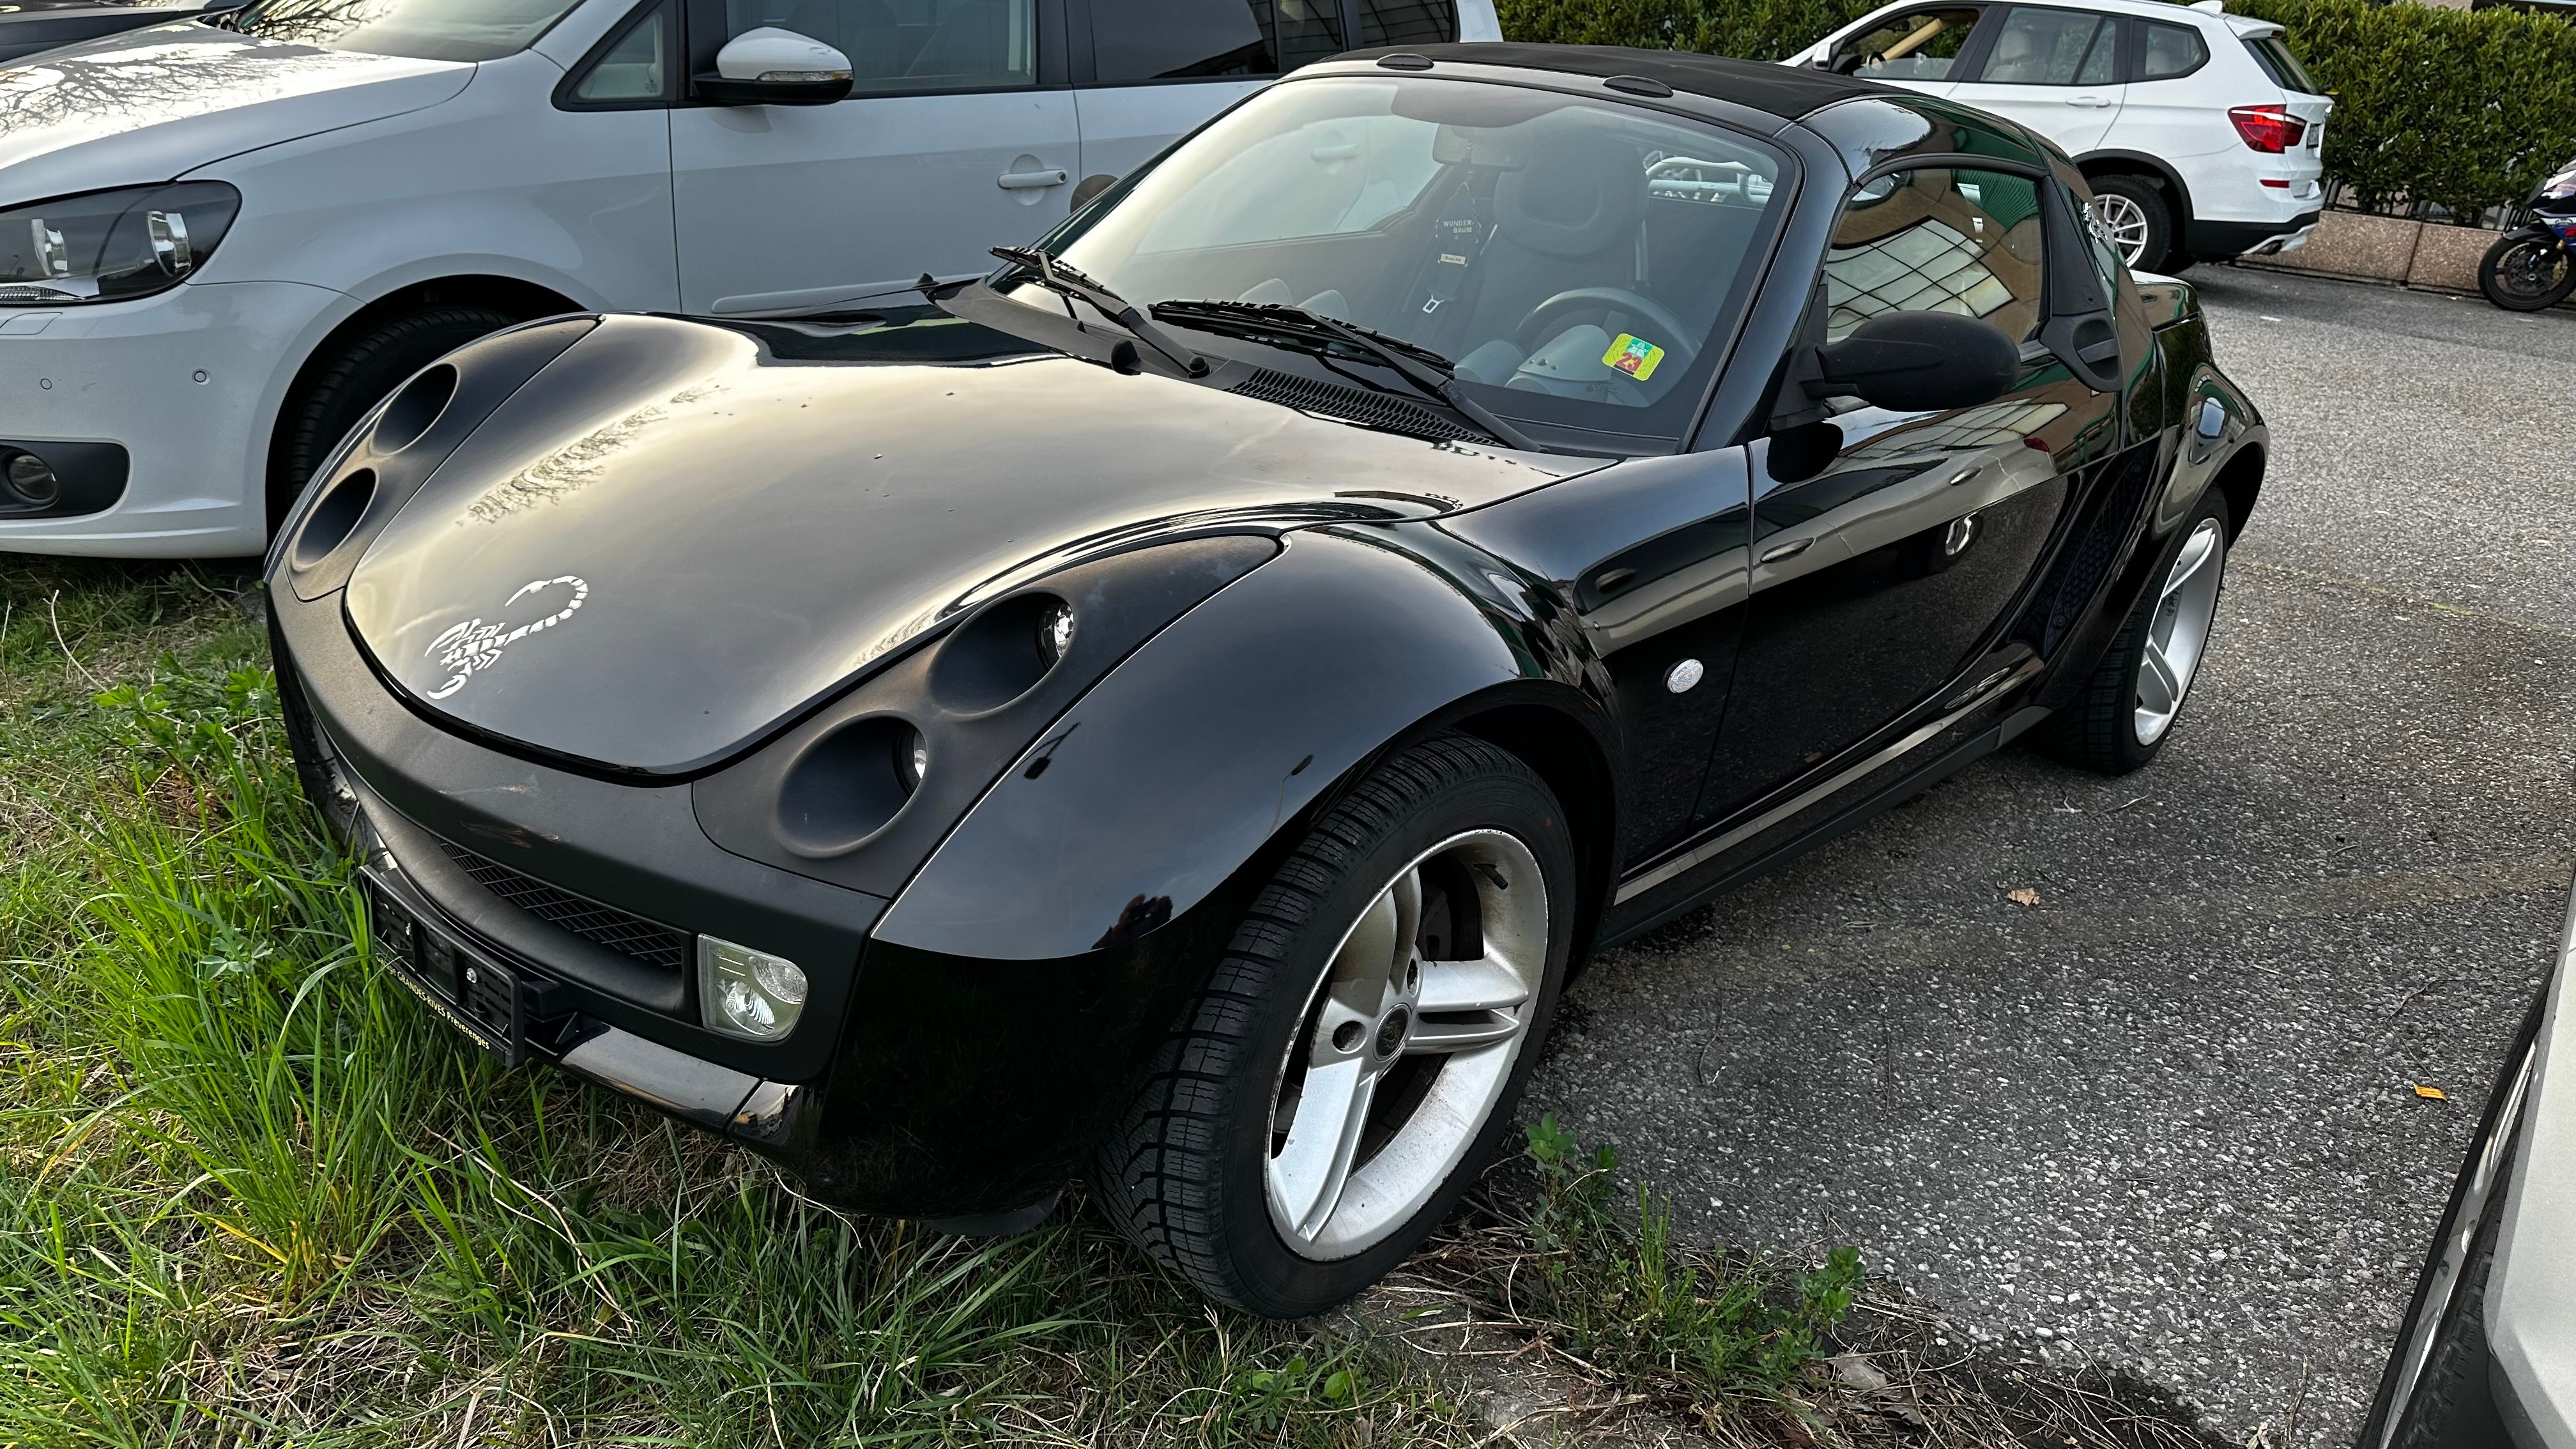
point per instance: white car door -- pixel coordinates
(958, 136)
(2055, 71)
(1157, 68)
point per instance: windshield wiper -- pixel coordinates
(1043, 269)
(1430, 373)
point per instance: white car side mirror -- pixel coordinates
(774, 67)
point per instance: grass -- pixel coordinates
(250, 1194)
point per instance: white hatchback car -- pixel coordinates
(219, 247)
(2199, 130)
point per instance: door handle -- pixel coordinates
(1031, 180)
(2095, 102)
(1787, 550)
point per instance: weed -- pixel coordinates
(1608, 1286)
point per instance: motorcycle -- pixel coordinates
(2534, 266)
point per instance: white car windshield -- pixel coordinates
(1579, 262)
(420, 29)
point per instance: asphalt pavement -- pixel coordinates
(2166, 1118)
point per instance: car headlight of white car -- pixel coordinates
(105, 246)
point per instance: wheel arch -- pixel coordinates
(2240, 482)
(2139, 163)
(1550, 735)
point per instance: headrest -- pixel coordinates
(1578, 191)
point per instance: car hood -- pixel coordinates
(675, 538)
(152, 104)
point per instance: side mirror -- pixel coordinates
(1918, 362)
(774, 67)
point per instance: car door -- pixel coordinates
(1156, 68)
(1889, 549)
(959, 135)
(2168, 111)
(2055, 71)
(1919, 49)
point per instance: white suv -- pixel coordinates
(220, 246)
(2198, 129)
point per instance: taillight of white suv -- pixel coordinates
(2270, 128)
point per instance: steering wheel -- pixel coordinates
(1546, 319)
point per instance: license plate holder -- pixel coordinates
(471, 989)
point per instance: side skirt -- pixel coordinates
(1618, 926)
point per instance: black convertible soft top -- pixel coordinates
(1785, 91)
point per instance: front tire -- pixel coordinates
(2128, 707)
(2526, 274)
(1354, 1061)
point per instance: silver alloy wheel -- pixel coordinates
(1402, 1055)
(2125, 221)
(2179, 634)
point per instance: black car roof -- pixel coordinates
(1788, 92)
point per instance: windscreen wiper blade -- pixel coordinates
(1430, 373)
(1042, 268)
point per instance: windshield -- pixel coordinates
(1581, 263)
(419, 29)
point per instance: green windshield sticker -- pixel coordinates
(1633, 355)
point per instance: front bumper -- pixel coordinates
(186, 383)
(2531, 1298)
(918, 1085)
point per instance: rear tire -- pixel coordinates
(2517, 274)
(1323, 1024)
(357, 373)
(2141, 221)
(2128, 708)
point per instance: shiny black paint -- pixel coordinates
(1102, 837)
(754, 535)
(488, 373)
(1118, 603)
(1190, 755)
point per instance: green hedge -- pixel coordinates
(2465, 108)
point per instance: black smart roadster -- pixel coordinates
(1175, 711)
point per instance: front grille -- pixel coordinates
(648, 942)
(1353, 404)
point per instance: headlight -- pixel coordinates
(747, 993)
(109, 245)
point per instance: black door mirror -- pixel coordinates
(1916, 362)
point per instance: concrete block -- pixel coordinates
(2446, 257)
(2355, 244)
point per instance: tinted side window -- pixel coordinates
(1938, 240)
(910, 45)
(1407, 22)
(2044, 47)
(1921, 46)
(1135, 40)
(2170, 50)
(2282, 66)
